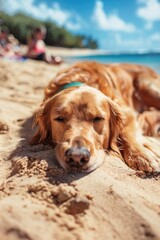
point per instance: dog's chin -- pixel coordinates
(94, 163)
(93, 167)
(86, 169)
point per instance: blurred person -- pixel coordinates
(5, 46)
(9, 45)
(37, 48)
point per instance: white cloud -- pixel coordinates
(73, 26)
(134, 42)
(110, 22)
(150, 11)
(137, 43)
(149, 25)
(155, 37)
(43, 11)
(76, 24)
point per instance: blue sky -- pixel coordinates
(115, 24)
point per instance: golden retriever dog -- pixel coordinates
(92, 110)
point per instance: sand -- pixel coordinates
(39, 201)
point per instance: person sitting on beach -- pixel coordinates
(37, 48)
(8, 45)
(5, 46)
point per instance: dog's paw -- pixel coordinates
(153, 145)
(144, 160)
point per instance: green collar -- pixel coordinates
(72, 84)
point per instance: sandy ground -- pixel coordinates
(67, 52)
(39, 201)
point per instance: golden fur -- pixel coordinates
(104, 116)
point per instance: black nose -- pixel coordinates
(77, 157)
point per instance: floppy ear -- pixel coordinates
(42, 121)
(117, 120)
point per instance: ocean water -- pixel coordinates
(150, 59)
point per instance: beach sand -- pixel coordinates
(39, 201)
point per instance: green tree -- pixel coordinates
(21, 26)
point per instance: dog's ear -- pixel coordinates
(117, 121)
(42, 122)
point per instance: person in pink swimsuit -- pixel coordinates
(37, 48)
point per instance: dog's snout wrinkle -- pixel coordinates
(77, 157)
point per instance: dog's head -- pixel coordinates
(84, 125)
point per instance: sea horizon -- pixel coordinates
(149, 58)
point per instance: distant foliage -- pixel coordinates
(21, 25)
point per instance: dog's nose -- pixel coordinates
(77, 157)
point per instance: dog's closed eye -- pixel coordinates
(60, 119)
(98, 119)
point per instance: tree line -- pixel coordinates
(20, 25)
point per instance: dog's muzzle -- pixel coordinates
(77, 157)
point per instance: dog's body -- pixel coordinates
(102, 116)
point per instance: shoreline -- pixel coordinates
(71, 52)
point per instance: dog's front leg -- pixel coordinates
(137, 150)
